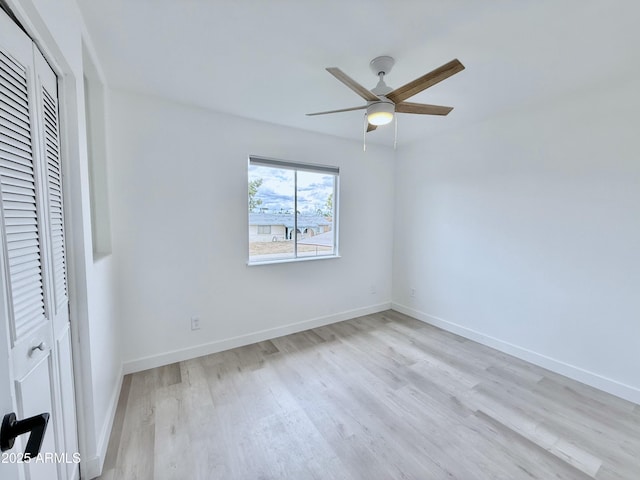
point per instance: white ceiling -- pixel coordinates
(265, 59)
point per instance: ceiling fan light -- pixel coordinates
(380, 113)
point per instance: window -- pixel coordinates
(292, 211)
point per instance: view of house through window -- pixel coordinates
(292, 210)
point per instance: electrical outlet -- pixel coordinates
(195, 323)
(373, 290)
(412, 293)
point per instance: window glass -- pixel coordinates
(292, 210)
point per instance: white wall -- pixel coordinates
(524, 232)
(179, 225)
(58, 29)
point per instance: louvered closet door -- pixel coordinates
(56, 265)
(32, 259)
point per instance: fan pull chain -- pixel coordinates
(395, 135)
(364, 134)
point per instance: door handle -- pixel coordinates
(12, 428)
(41, 346)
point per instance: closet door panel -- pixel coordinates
(55, 265)
(20, 198)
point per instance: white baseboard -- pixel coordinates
(105, 433)
(608, 385)
(159, 360)
(90, 468)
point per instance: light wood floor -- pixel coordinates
(378, 397)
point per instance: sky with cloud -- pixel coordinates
(277, 189)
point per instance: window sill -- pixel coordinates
(98, 256)
(291, 260)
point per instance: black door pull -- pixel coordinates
(12, 428)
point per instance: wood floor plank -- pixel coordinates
(136, 449)
(382, 396)
(530, 459)
(173, 455)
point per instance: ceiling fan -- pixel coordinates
(383, 101)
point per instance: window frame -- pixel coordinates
(297, 167)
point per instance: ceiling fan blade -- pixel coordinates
(371, 127)
(426, 81)
(337, 111)
(352, 84)
(422, 108)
